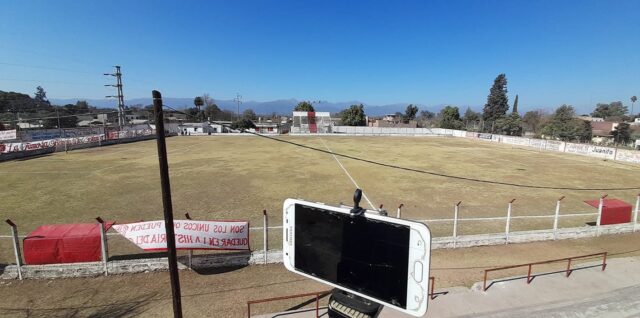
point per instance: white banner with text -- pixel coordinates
(190, 234)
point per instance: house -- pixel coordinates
(591, 119)
(601, 131)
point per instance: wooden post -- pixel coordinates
(16, 247)
(555, 220)
(635, 214)
(600, 206)
(190, 255)
(265, 233)
(400, 210)
(456, 209)
(508, 221)
(103, 245)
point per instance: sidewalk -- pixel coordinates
(588, 292)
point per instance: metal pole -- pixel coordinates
(16, 246)
(508, 221)
(400, 210)
(555, 220)
(635, 214)
(456, 209)
(265, 233)
(167, 205)
(600, 206)
(190, 251)
(103, 245)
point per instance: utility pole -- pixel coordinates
(120, 96)
(238, 100)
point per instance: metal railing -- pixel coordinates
(530, 265)
(317, 296)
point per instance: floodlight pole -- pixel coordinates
(167, 205)
(456, 210)
(635, 214)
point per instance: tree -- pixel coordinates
(304, 106)
(212, 111)
(425, 114)
(563, 124)
(532, 120)
(242, 124)
(497, 102)
(192, 113)
(471, 117)
(633, 102)
(613, 109)
(450, 118)
(622, 134)
(509, 125)
(410, 112)
(198, 102)
(65, 122)
(353, 116)
(249, 114)
(515, 105)
(40, 97)
(208, 101)
(585, 132)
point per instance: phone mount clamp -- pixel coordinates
(357, 209)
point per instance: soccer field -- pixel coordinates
(236, 177)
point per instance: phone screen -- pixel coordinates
(368, 256)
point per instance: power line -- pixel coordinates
(437, 174)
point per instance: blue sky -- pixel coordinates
(377, 52)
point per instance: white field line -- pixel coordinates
(348, 175)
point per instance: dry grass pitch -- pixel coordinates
(236, 177)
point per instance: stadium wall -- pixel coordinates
(608, 153)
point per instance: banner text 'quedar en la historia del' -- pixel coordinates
(190, 234)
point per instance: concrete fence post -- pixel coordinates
(400, 210)
(555, 220)
(103, 245)
(635, 214)
(265, 233)
(16, 246)
(456, 210)
(506, 232)
(599, 220)
(190, 254)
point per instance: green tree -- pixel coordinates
(192, 113)
(585, 131)
(212, 111)
(354, 116)
(563, 124)
(509, 125)
(242, 124)
(613, 109)
(198, 102)
(410, 112)
(304, 106)
(622, 134)
(40, 97)
(450, 118)
(497, 102)
(633, 102)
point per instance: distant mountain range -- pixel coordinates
(281, 106)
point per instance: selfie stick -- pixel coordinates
(343, 303)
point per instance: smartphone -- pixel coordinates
(383, 259)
